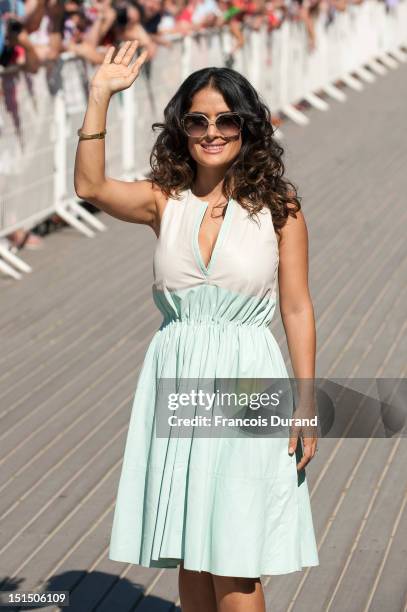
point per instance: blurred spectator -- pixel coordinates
(152, 15)
(22, 238)
(15, 44)
(80, 32)
(200, 13)
(128, 25)
(34, 32)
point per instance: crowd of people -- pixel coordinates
(34, 33)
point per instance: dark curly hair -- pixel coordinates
(255, 178)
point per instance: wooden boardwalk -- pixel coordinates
(73, 337)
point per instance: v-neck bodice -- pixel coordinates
(206, 268)
(244, 260)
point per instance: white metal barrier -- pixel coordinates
(40, 113)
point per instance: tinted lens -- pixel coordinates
(228, 125)
(195, 126)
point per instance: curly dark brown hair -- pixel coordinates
(255, 178)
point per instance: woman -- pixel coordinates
(226, 509)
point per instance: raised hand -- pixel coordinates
(117, 74)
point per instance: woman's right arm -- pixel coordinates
(134, 201)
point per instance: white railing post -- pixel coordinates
(60, 165)
(255, 67)
(186, 57)
(128, 119)
(286, 72)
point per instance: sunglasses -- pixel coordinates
(196, 125)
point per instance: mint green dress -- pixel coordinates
(229, 506)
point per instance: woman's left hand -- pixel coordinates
(309, 445)
(309, 449)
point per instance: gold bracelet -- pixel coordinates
(83, 136)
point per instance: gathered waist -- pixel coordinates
(204, 346)
(212, 322)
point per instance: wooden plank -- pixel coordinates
(363, 563)
(391, 582)
(164, 594)
(84, 280)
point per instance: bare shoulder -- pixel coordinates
(294, 230)
(293, 265)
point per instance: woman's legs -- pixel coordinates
(196, 591)
(238, 594)
(204, 592)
